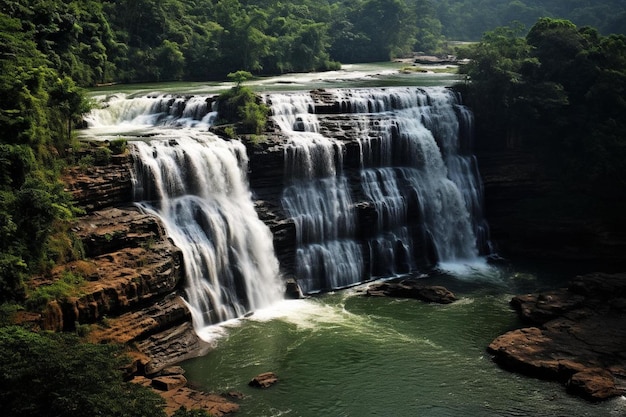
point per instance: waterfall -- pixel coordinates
(197, 186)
(163, 110)
(317, 198)
(415, 171)
(376, 182)
(424, 134)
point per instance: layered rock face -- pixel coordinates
(133, 272)
(532, 218)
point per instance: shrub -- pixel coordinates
(118, 146)
(69, 285)
(52, 374)
(102, 156)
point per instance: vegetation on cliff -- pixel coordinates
(38, 108)
(557, 92)
(52, 374)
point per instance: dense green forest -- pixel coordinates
(148, 40)
(469, 19)
(559, 92)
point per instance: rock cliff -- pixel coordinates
(531, 217)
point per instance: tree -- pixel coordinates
(70, 102)
(239, 77)
(48, 374)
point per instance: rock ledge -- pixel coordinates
(578, 337)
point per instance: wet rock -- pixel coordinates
(191, 399)
(411, 289)
(264, 380)
(579, 337)
(169, 382)
(292, 289)
(594, 385)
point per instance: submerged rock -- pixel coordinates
(579, 337)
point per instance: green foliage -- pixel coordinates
(470, 19)
(183, 412)
(558, 92)
(254, 117)
(240, 105)
(47, 374)
(118, 146)
(102, 155)
(69, 285)
(239, 77)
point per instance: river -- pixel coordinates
(344, 354)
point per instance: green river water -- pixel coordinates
(344, 354)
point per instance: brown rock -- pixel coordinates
(264, 380)
(594, 385)
(215, 405)
(582, 341)
(191, 399)
(169, 382)
(410, 289)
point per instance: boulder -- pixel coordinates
(594, 384)
(578, 338)
(169, 382)
(264, 380)
(411, 289)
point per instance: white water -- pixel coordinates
(196, 184)
(317, 198)
(413, 165)
(424, 135)
(121, 113)
(198, 188)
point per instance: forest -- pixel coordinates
(554, 86)
(96, 42)
(558, 92)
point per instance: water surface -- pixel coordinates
(344, 354)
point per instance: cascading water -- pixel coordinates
(196, 184)
(410, 197)
(318, 200)
(154, 110)
(414, 171)
(424, 134)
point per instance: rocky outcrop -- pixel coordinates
(264, 380)
(98, 187)
(170, 384)
(132, 273)
(130, 264)
(578, 336)
(412, 289)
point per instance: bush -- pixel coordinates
(118, 146)
(254, 117)
(102, 156)
(51, 374)
(69, 285)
